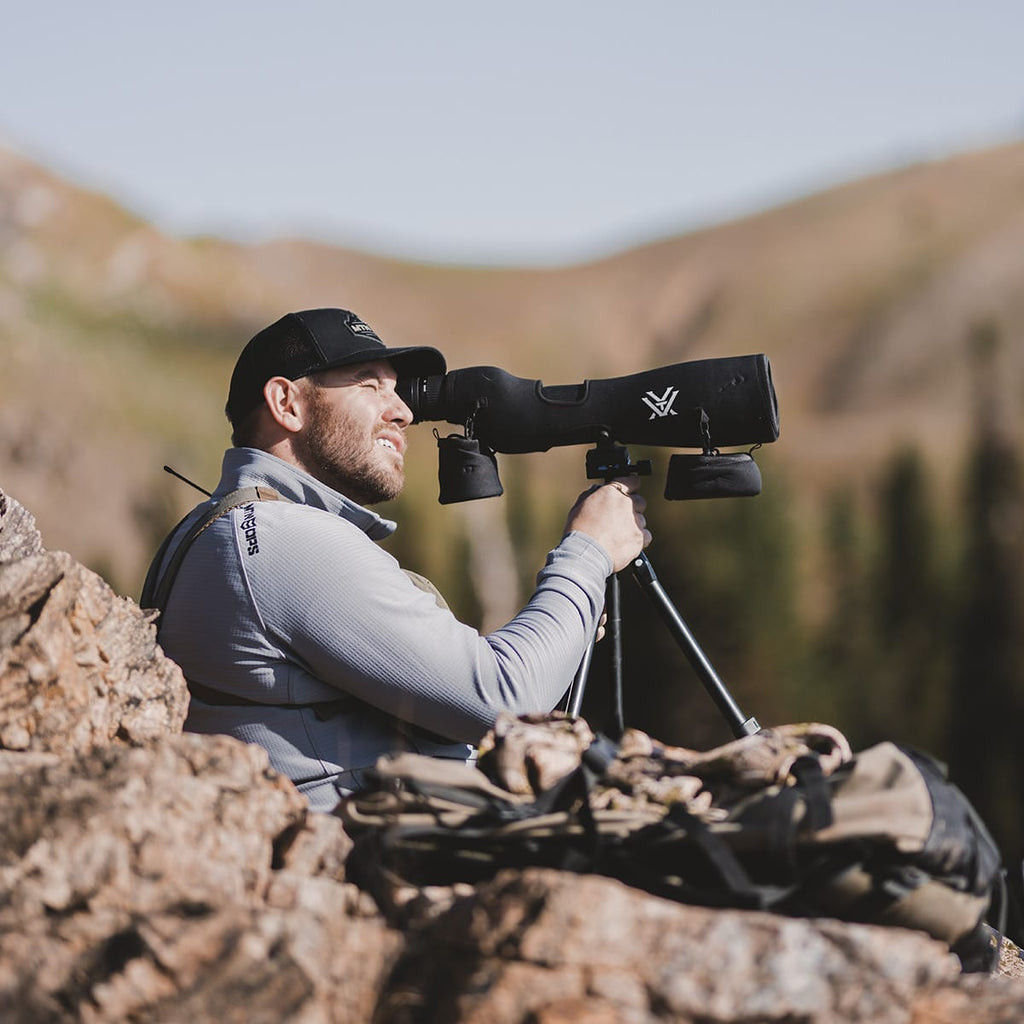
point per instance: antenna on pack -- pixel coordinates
(185, 479)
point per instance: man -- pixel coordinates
(297, 632)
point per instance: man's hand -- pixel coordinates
(612, 514)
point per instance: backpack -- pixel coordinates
(787, 820)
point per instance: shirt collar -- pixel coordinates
(248, 467)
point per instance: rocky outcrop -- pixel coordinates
(147, 875)
(177, 880)
(79, 665)
(19, 537)
(545, 945)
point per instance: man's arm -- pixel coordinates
(352, 616)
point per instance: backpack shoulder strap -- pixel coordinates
(154, 594)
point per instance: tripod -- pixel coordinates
(609, 461)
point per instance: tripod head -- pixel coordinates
(609, 460)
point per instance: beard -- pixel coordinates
(337, 451)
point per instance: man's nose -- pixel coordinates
(398, 412)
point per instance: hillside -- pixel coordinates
(116, 341)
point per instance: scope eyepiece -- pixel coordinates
(422, 395)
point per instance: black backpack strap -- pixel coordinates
(154, 595)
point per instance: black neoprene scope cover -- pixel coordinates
(729, 475)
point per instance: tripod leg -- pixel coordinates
(645, 575)
(574, 700)
(613, 630)
(614, 606)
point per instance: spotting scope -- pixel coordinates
(672, 406)
(704, 403)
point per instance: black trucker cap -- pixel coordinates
(312, 340)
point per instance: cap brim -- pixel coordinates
(411, 361)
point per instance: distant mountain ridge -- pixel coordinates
(117, 341)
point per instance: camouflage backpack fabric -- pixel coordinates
(788, 820)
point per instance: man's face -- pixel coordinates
(354, 435)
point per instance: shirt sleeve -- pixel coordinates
(357, 622)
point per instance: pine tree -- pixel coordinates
(910, 606)
(844, 657)
(986, 758)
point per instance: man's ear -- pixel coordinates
(286, 403)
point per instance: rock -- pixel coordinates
(971, 1001)
(183, 880)
(80, 666)
(19, 537)
(544, 946)
(1011, 961)
(187, 819)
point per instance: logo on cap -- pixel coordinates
(356, 326)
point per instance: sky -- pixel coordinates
(540, 132)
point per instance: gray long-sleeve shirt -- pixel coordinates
(293, 603)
